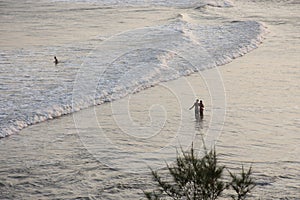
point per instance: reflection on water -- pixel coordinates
(199, 126)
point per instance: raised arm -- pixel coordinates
(192, 106)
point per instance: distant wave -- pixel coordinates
(133, 61)
(145, 3)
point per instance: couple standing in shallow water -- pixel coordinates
(199, 108)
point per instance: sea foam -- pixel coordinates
(123, 64)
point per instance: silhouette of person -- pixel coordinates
(201, 107)
(55, 60)
(196, 106)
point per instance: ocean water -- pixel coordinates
(143, 63)
(99, 70)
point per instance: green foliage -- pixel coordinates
(194, 178)
(242, 184)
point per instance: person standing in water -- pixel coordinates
(201, 108)
(196, 106)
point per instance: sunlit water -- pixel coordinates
(104, 152)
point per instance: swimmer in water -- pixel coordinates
(55, 60)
